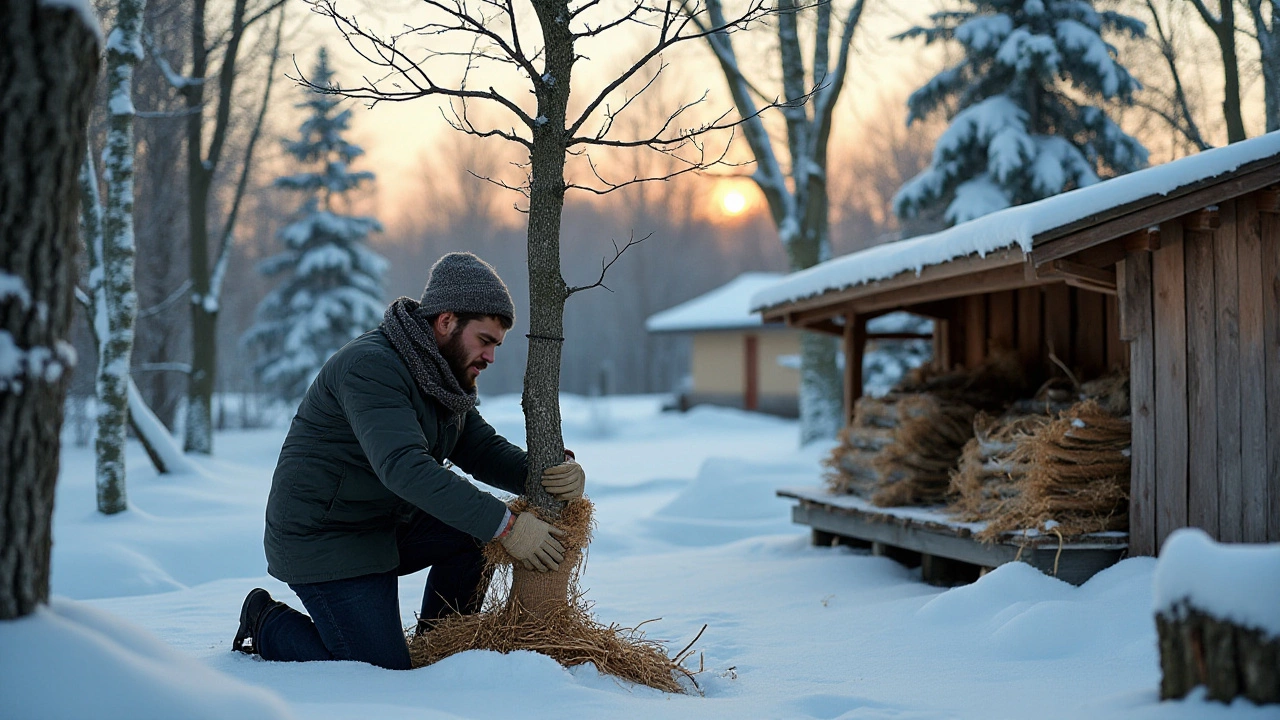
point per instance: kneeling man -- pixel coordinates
(361, 494)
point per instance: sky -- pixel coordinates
(399, 138)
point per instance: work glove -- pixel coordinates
(532, 542)
(564, 481)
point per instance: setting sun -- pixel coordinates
(733, 202)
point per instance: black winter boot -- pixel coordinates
(257, 605)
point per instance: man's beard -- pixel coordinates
(454, 354)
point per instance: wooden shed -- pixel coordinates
(737, 359)
(1172, 272)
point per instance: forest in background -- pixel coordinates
(689, 248)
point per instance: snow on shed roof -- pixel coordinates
(725, 308)
(1017, 225)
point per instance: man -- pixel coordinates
(361, 495)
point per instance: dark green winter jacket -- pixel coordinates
(366, 448)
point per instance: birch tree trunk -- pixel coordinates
(116, 300)
(49, 62)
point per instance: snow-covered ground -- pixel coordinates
(689, 532)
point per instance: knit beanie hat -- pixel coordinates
(460, 282)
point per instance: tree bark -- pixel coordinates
(1269, 53)
(1229, 660)
(547, 294)
(49, 62)
(198, 429)
(116, 293)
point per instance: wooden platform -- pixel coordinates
(947, 550)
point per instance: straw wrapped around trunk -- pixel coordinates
(547, 613)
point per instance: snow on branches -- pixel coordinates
(1023, 129)
(332, 287)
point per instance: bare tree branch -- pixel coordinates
(228, 228)
(1184, 124)
(604, 266)
(168, 302)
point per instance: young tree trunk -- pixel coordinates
(49, 62)
(1223, 26)
(198, 428)
(116, 298)
(165, 453)
(1226, 32)
(547, 292)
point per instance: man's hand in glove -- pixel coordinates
(564, 481)
(531, 542)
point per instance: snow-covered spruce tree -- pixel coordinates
(1024, 128)
(332, 290)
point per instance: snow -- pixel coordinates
(689, 531)
(1014, 227)
(1236, 582)
(725, 308)
(12, 286)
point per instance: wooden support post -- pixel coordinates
(975, 330)
(1226, 281)
(1136, 307)
(1269, 222)
(1169, 313)
(1202, 386)
(855, 343)
(751, 372)
(1253, 371)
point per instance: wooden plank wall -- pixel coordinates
(1080, 328)
(1202, 317)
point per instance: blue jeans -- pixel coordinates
(359, 618)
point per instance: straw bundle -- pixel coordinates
(1076, 479)
(901, 449)
(916, 467)
(989, 476)
(560, 626)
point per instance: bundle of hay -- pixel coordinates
(990, 476)
(1075, 476)
(901, 449)
(915, 468)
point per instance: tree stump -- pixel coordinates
(1229, 660)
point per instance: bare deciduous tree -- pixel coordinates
(797, 195)
(496, 41)
(203, 163)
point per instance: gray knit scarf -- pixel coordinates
(415, 342)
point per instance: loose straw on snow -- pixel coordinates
(560, 624)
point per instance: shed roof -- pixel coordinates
(1015, 231)
(725, 308)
